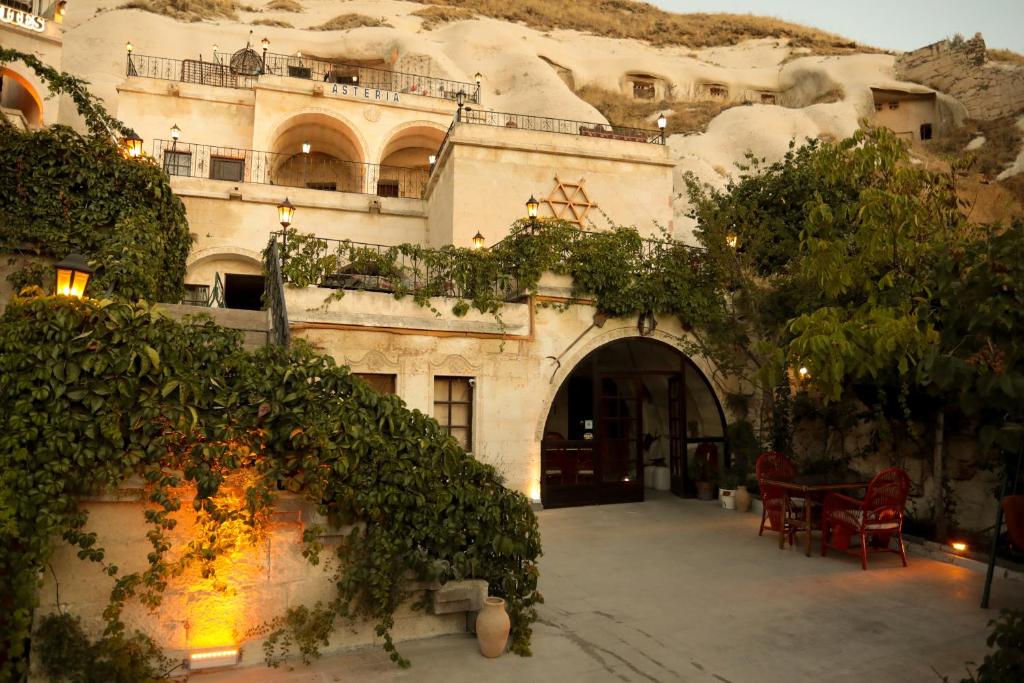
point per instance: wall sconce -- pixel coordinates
(478, 240)
(305, 148)
(73, 275)
(531, 207)
(959, 546)
(212, 659)
(432, 159)
(133, 143)
(732, 239)
(285, 213)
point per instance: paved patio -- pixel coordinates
(680, 590)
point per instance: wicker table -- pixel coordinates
(808, 491)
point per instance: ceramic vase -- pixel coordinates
(492, 627)
(742, 497)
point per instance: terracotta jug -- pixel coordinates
(492, 627)
(742, 497)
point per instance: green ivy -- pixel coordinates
(96, 391)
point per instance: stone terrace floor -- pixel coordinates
(681, 590)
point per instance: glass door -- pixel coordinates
(619, 439)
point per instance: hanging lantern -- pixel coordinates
(531, 207)
(306, 147)
(133, 143)
(285, 213)
(478, 240)
(73, 275)
(732, 240)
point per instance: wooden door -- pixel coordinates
(619, 434)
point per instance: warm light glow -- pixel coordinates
(129, 47)
(213, 655)
(804, 373)
(662, 121)
(73, 276)
(531, 207)
(265, 43)
(285, 213)
(175, 132)
(479, 76)
(432, 159)
(58, 14)
(732, 240)
(133, 143)
(478, 240)
(959, 546)
(306, 147)
(460, 97)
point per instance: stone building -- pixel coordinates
(31, 26)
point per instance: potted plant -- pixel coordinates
(732, 481)
(744, 448)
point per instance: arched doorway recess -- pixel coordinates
(630, 410)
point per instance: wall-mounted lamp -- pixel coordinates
(133, 143)
(306, 147)
(432, 159)
(531, 206)
(211, 659)
(478, 240)
(959, 546)
(73, 275)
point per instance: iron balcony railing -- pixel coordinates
(186, 71)
(295, 66)
(406, 269)
(563, 126)
(310, 171)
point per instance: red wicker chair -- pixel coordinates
(877, 518)
(773, 465)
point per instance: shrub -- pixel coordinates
(188, 10)
(285, 6)
(344, 22)
(435, 16)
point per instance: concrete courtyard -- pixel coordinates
(681, 590)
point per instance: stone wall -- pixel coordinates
(961, 68)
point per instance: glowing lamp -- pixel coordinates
(479, 77)
(133, 143)
(662, 122)
(175, 132)
(959, 546)
(306, 147)
(212, 659)
(478, 240)
(58, 14)
(73, 275)
(128, 47)
(285, 213)
(460, 98)
(804, 373)
(265, 43)
(531, 207)
(732, 239)
(432, 159)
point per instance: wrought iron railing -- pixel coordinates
(307, 68)
(273, 297)
(186, 71)
(394, 269)
(311, 171)
(564, 126)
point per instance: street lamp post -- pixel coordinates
(662, 124)
(266, 45)
(531, 211)
(73, 275)
(479, 93)
(460, 99)
(130, 68)
(175, 134)
(285, 213)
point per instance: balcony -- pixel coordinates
(228, 72)
(288, 170)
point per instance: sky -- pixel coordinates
(887, 24)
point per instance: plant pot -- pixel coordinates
(728, 498)
(492, 627)
(742, 497)
(705, 490)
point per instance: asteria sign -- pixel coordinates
(569, 201)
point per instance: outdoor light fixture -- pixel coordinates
(133, 143)
(128, 47)
(531, 207)
(432, 159)
(305, 148)
(959, 546)
(285, 213)
(265, 43)
(662, 124)
(175, 132)
(804, 373)
(478, 240)
(58, 14)
(479, 77)
(460, 98)
(72, 275)
(211, 659)
(732, 240)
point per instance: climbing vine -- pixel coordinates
(96, 391)
(67, 192)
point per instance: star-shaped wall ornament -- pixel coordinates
(569, 201)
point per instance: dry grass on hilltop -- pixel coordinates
(344, 22)
(276, 23)
(1006, 56)
(284, 6)
(622, 110)
(435, 16)
(189, 10)
(640, 21)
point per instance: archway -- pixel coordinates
(335, 160)
(633, 413)
(17, 94)
(412, 145)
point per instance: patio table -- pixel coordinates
(809, 491)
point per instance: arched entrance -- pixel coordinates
(320, 152)
(633, 413)
(18, 95)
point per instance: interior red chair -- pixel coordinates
(1013, 513)
(877, 518)
(773, 465)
